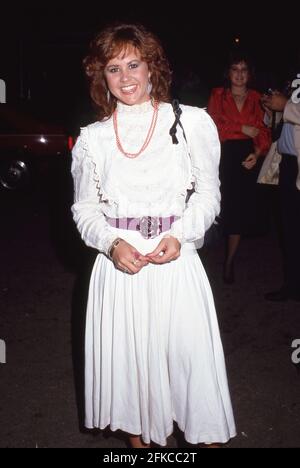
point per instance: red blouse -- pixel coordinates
(229, 119)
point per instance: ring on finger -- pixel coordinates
(135, 261)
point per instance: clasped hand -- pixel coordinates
(250, 131)
(250, 161)
(127, 258)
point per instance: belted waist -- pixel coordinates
(148, 226)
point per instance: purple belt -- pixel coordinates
(148, 226)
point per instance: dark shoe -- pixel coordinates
(228, 274)
(281, 295)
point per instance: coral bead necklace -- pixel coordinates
(148, 137)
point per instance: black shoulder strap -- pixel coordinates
(177, 111)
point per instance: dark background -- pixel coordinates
(42, 47)
(45, 268)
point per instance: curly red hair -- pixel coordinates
(107, 45)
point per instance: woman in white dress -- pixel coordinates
(153, 353)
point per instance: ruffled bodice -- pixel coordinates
(152, 184)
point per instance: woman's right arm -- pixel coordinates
(87, 212)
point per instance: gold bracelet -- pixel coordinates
(113, 246)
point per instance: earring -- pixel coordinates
(149, 87)
(108, 95)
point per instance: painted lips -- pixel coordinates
(129, 89)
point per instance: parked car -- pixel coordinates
(33, 148)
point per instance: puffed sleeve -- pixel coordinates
(204, 204)
(87, 212)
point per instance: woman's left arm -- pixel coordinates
(204, 203)
(262, 141)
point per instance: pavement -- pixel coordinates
(43, 286)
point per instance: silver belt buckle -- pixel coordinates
(149, 227)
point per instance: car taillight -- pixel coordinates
(71, 142)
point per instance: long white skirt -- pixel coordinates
(153, 353)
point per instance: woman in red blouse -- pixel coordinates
(238, 115)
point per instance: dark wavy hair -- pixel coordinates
(107, 45)
(234, 58)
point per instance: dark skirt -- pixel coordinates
(242, 210)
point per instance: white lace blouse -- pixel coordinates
(107, 183)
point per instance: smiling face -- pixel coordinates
(127, 77)
(239, 74)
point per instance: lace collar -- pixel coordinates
(143, 108)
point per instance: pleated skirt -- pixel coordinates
(153, 353)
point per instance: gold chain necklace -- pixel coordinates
(241, 96)
(148, 137)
